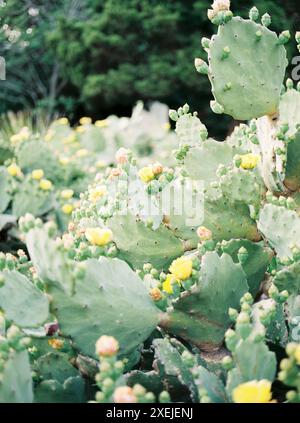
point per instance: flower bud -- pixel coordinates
(107, 346)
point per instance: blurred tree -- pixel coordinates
(100, 56)
(34, 78)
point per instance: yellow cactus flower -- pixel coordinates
(85, 121)
(146, 174)
(64, 161)
(14, 170)
(98, 236)
(167, 284)
(66, 194)
(297, 354)
(249, 161)
(97, 193)
(181, 268)
(253, 392)
(101, 123)
(45, 184)
(82, 152)
(67, 208)
(57, 344)
(62, 121)
(37, 174)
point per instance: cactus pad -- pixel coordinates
(29, 308)
(16, 382)
(255, 263)
(201, 163)
(201, 314)
(102, 304)
(4, 195)
(241, 80)
(138, 243)
(281, 227)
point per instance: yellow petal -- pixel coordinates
(253, 392)
(182, 268)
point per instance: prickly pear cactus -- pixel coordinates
(15, 372)
(160, 284)
(242, 47)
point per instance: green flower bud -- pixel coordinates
(216, 107)
(254, 14)
(266, 20)
(284, 37)
(164, 397)
(173, 115)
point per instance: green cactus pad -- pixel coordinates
(292, 173)
(239, 139)
(201, 315)
(289, 109)
(293, 313)
(248, 97)
(50, 262)
(22, 302)
(288, 278)
(72, 390)
(256, 263)
(243, 186)
(61, 382)
(211, 384)
(33, 155)
(189, 129)
(138, 244)
(281, 227)
(172, 368)
(182, 203)
(289, 112)
(4, 185)
(102, 304)
(229, 220)
(16, 381)
(55, 365)
(201, 163)
(151, 380)
(253, 361)
(29, 198)
(92, 139)
(276, 329)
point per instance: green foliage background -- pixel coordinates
(97, 57)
